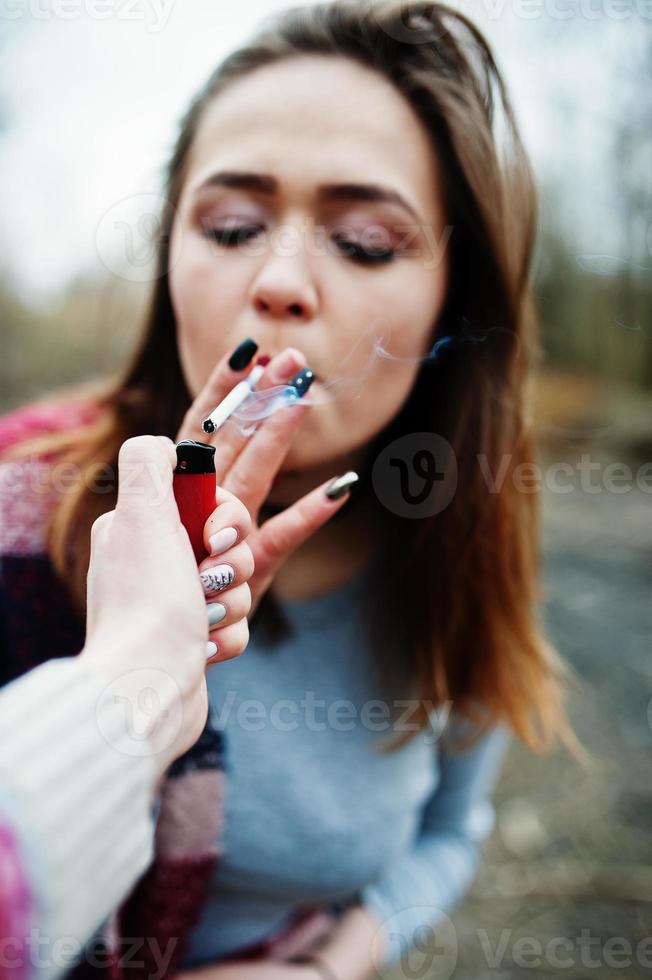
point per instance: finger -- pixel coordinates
(100, 528)
(145, 468)
(282, 367)
(222, 379)
(230, 440)
(253, 473)
(229, 523)
(233, 567)
(232, 642)
(227, 609)
(281, 535)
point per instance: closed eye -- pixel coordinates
(232, 237)
(368, 255)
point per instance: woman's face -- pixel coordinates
(340, 160)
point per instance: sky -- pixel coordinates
(92, 91)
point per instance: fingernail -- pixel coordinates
(341, 485)
(302, 381)
(222, 540)
(216, 579)
(216, 613)
(243, 354)
(211, 649)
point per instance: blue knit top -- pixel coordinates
(314, 813)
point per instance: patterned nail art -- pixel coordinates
(215, 579)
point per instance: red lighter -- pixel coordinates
(194, 484)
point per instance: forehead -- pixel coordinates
(318, 119)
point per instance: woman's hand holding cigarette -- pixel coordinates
(247, 465)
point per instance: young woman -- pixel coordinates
(347, 191)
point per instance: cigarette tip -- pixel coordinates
(263, 360)
(208, 426)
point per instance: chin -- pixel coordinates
(302, 455)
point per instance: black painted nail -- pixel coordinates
(243, 354)
(302, 381)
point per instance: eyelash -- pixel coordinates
(229, 237)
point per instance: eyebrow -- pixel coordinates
(266, 184)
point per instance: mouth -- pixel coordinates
(271, 357)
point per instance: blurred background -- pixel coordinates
(88, 112)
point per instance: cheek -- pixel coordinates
(412, 311)
(373, 388)
(349, 421)
(204, 300)
(382, 395)
(400, 328)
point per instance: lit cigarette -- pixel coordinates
(233, 400)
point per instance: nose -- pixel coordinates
(284, 289)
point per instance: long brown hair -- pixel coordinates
(461, 606)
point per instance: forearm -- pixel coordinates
(74, 788)
(417, 892)
(356, 948)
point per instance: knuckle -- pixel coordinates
(99, 526)
(248, 563)
(233, 513)
(241, 485)
(277, 539)
(247, 598)
(244, 519)
(242, 636)
(240, 602)
(235, 641)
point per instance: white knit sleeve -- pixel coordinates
(83, 799)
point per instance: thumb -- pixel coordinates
(145, 467)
